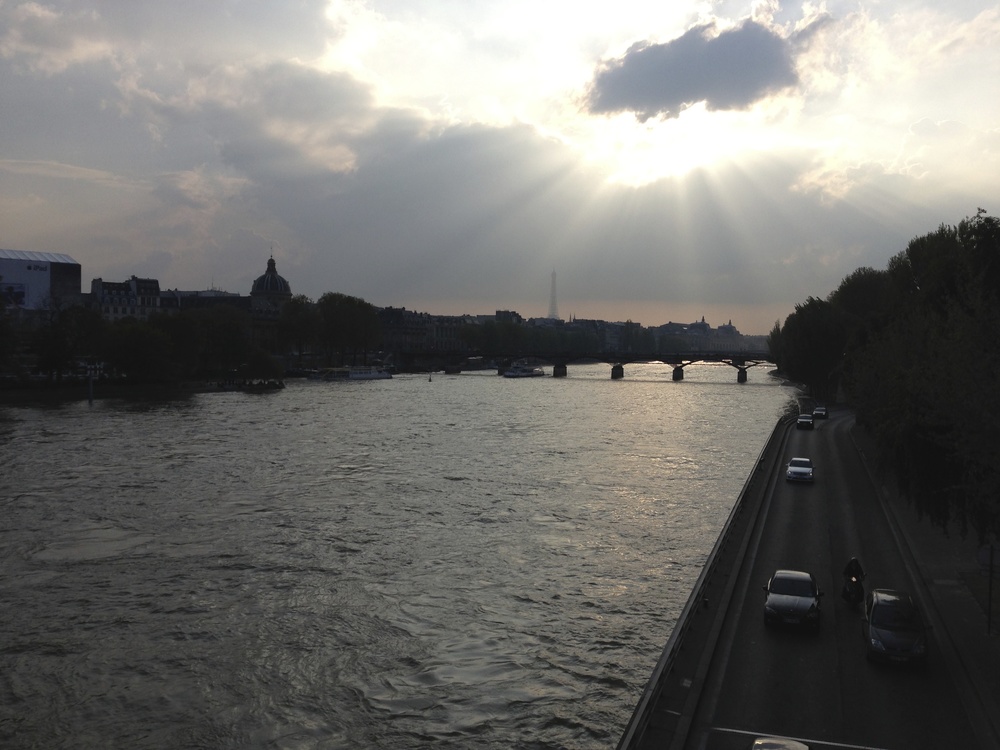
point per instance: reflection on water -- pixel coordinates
(466, 561)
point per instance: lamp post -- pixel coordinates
(93, 369)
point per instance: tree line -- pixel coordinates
(915, 349)
(220, 341)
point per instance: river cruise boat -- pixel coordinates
(356, 372)
(523, 370)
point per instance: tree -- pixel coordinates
(812, 346)
(138, 352)
(70, 336)
(922, 375)
(299, 325)
(774, 344)
(349, 326)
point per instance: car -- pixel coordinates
(804, 422)
(799, 469)
(820, 412)
(777, 743)
(791, 597)
(893, 627)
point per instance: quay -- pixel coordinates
(724, 678)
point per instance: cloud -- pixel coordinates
(728, 69)
(412, 155)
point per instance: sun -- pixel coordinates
(637, 153)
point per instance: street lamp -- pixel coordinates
(93, 370)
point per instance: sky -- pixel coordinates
(668, 161)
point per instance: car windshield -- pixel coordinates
(898, 617)
(792, 587)
(800, 463)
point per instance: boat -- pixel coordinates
(357, 372)
(252, 386)
(523, 370)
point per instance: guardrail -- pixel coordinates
(740, 521)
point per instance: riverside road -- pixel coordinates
(740, 679)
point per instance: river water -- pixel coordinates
(467, 561)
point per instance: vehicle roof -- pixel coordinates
(892, 597)
(796, 574)
(778, 743)
(800, 458)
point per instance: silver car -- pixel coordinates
(799, 469)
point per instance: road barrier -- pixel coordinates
(697, 629)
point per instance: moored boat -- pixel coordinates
(523, 370)
(357, 372)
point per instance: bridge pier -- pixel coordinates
(678, 372)
(559, 370)
(617, 372)
(741, 375)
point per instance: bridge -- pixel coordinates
(453, 361)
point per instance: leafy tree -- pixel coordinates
(774, 344)
(922, 375)
(812, 346)
(70, 336)
(185, 341)
(300, 324)
(138, 352)
(349, 326)
(224, 337)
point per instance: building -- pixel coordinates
(141, 298)
(35, 282)
(270, 291)
(136, 298)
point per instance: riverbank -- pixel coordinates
(47, 393)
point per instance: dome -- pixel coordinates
(271, 284)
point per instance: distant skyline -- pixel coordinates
(668, 160)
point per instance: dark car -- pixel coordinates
(804, 422)
(799, 469)
(791, 597)
(893, 627)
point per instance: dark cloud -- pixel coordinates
(729, 70)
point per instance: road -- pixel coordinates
(818, 687)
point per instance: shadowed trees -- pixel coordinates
(924, 377)
(918, 348)
(349, 327)
(812, 346)
(299, 325)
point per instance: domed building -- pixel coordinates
(270, 290)
(268, 295)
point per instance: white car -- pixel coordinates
(799, 469)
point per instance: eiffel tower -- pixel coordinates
(553, 310)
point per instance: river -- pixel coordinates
(456, 562)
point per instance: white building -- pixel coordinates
(38, 281)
